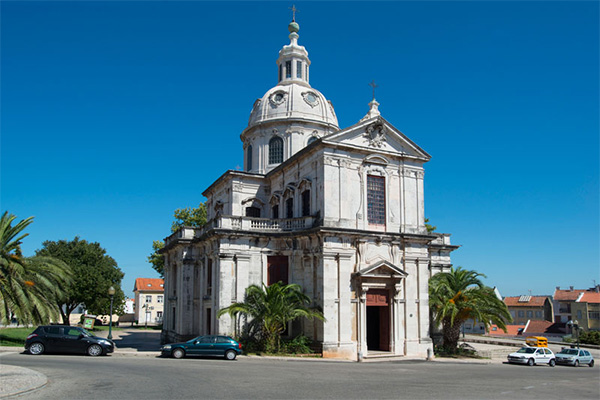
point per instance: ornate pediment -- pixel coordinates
(376, 135)
(382, 269)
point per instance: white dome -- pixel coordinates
(293, 102)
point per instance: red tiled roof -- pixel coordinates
(149, 284)
(567, 295)
(590, 297)
(511, 330)
(534, 301)
(537, 327)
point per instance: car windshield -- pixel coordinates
(194, 339)
(86, 333)
(527, 350)
(571, 352)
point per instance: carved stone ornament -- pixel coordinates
(277, 98)
(375, 135)
(310, 98)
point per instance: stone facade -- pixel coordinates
(339, 212)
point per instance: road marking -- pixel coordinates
(528, 387)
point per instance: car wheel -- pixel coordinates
(552, 362)
(530, 362)
(576, 363)
(591, 364)
(230, 355)
(36, 349)
(94, 350)
(178, 353)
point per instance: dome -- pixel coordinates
(293, 101)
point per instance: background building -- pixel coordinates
(149, 301)
(529, 308)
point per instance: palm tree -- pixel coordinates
(271, 308)
(459, 295)
(28, 286)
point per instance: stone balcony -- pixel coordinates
(235, 223)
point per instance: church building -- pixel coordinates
(338, 211)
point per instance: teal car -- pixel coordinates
(212, 345)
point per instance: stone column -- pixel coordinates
(362, 322)
(225, 271)
(398, 321)
(186, 297)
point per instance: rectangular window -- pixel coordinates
(538, 314)
(306, 203)
(159, 315)
(594, 315)
(299, 69)
(579, 314)
(159, 299)
(289, 208)
(149, 299)
(376, 200)
(513, 314)
(280, 72)
(288, 69)
(529, 314)
(521, 313)
(209, 277)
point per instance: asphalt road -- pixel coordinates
(81, 377)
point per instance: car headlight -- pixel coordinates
(106, 342)
(166, 347)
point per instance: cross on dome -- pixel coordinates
(294, 9)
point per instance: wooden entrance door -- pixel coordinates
(379, 298)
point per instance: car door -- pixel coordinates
(584, 357)
(72, 340)
(205, 346)
(541, 357)
(53, 338)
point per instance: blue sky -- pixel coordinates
(114, 114)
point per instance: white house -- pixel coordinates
(338, 211)
(149, 301)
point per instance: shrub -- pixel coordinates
(298, 345)
(591, 337)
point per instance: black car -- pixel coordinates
(66, 339)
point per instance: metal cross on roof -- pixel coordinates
(294, 9)
(373, 85)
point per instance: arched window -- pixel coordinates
(312, 139)
(289, 208)
(249, 158)
(276, 150)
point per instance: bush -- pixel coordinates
(591, 337)
(298, 345)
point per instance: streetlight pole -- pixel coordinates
(111, 293)
(576, 326)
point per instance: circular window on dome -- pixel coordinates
(310, 98)
(277, 98)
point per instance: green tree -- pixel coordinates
(270, 309)
(93, 273)
(29, 286)
(459, 295)
(195, 217)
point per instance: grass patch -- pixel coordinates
(14, 336)
(104, 328)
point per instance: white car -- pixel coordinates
(532, 356)
(574, 357)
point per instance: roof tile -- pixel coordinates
(149, 284)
